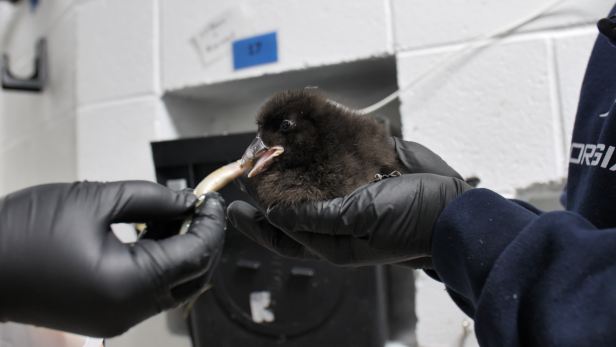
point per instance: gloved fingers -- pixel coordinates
(185, 292)
(181, 258)
(252, 223)
(158, 230)
(351, 215)
(242, 182)
(188, 190)
(245, 185)
(419, 159)
(188, 291)
(337, 250)
(392, 204)
(346, 250)
(320, 217)
(141, 201)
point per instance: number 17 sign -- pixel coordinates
(255, 50)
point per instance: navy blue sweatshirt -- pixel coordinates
(529, 278)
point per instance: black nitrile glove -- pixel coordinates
(61, 266)
(419, 159)
(380, 223)
(385, 222)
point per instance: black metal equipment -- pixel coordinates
(313, 303)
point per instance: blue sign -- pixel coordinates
(255, 50)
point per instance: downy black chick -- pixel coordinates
(310, 148)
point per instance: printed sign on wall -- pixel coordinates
(213, 41)
(255, 50)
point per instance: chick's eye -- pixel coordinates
(286, 125)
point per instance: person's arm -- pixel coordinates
(61, 267)
(527, 279)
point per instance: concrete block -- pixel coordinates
(47, 155)
(6, 13)
(21, 27)
(115, 50)
(309, 34)
(4, 9)
(49, 14)
(439, 320)
(154, 331)
(22, 111)
(420, 23)
(113, 140)
(572, 54)
(37, 130)
(488, 115)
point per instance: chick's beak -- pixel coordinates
(258, 149)
(255, 150)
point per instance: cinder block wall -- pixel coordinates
(503, 113)
(37, 131)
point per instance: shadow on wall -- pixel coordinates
(230, 107)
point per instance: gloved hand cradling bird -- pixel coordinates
(61, 267)
(313, 185)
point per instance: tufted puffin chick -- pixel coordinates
(310, 148)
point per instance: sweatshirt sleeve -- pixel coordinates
(527, 278)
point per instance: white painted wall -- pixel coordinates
(504, 112)
(37, 131)
(310, 33)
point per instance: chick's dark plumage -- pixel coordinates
(329, 150)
